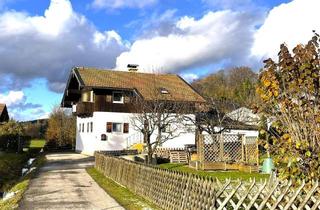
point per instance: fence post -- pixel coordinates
(221, 146)
(200, 147)
(243, 139)
(257, 151)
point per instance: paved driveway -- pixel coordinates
(63, 183)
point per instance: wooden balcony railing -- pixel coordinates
(85, 109)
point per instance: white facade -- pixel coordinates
(244, 115)
(90, 131)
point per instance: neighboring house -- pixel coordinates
(4, 116)
(229, 124)
(101, 99)
(245, 115)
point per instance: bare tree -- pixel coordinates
(213, 118)
(160, 116)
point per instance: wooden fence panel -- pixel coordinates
(175, 190)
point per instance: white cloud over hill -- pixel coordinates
(13, 97)
(291, 23)
(223, 36)
(48, 46)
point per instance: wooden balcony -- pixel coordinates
(84, 109)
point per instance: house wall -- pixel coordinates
(88, 142)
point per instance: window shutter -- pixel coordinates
(125, 127)
(109, 127)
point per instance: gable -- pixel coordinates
(4, 116)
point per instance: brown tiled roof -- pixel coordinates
(144, 83)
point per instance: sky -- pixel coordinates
(41, 40)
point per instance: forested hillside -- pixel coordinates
(236, 85)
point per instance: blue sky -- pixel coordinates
(40, 41)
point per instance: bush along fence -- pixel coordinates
(174, 190)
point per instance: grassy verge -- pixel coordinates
(21, 186)
(10, 171)
(10, 168)
(221, 175)
(122, 195)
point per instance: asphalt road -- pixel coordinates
(63, 183)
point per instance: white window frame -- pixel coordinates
(122, 98)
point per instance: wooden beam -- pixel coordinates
(73, 91)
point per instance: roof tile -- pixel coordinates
(144, 83)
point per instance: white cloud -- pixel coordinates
(223, 36)
(190, 77)
(48, 46)
(117, 4)
(291, 23)
(13, 97)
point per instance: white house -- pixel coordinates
(244, 115)
(101, 99)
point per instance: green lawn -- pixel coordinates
(20, 187)
(122, 195)
(221, 175)
(10, 171)
(10, 168)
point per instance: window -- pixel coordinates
(87, 127)
(116, 127)
(91, 127)
(82, 127)
(125, 127)
(109, 127)
(79, 128)
(103, 137)
(117, 97)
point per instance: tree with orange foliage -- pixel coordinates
(289, 90)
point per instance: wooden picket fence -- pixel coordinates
(175, 190)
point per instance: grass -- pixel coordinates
(122, 195)
(221, 175)
(10, 168)
(21, 186)
(10, 171)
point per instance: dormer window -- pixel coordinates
(164, 91)
(117, 97)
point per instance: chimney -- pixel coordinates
(132, 67)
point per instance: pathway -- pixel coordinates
(63, 183)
